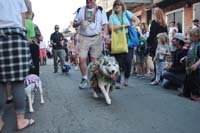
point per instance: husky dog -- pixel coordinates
(101, 74)
(33, 84)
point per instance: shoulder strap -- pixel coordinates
(100, 8)
(77, 11)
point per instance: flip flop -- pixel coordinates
(30, 123)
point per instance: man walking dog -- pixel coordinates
(90, 20)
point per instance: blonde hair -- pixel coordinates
(160, 17)
(163, 38)
(195, 32)
(121, 2)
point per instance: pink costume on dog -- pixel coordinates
(32, 78)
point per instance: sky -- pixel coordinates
(48, 13)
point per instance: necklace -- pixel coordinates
(93, 16)
(92, 19)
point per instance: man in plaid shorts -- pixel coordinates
(14, 58)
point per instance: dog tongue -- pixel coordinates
(113, 76)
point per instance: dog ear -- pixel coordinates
(105, 62)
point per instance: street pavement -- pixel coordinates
(138, 108)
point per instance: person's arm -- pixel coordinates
(197, 63)
(105, 30)
(152, 33)
(77, 22)
(112, 25)
(135, 20)
(115, 28)
(23, 19)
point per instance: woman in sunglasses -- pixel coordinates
(118, 19)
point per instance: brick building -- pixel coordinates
(180, 11)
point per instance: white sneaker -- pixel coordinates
(76, 68)
(83, 83)
(154, 83)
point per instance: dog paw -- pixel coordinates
(95, 95)
(31, 110)
(108, 101)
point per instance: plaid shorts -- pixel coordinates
(14, 54)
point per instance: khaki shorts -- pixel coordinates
(90, 44)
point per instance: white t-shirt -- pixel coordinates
(10, 13)
(42, 45)
(171, 30)
(94, 20)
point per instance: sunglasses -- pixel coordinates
(117, 4)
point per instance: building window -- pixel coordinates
(178, 17)
(196, 11)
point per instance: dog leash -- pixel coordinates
(105, 51)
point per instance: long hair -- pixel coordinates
(121, 2)
(159, 16)
(163, 38)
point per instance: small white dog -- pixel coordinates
(102, 75)
(33, 84)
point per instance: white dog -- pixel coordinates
(33, 84)
(102, 75)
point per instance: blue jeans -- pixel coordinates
(171, 78)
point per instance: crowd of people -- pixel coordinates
(172, 57)
(162, 50)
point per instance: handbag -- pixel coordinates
(119, 42)
(132, 35)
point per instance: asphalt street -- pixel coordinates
(138, 108)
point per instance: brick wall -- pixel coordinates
(188, 17)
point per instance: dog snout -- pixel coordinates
(113, 71)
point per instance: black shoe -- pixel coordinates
(152, 79)
(9, 101)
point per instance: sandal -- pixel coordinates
(195, 98)
(30, 123)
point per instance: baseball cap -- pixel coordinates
(179, 36)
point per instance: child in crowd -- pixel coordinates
(145, 34)
(162, 51)
(43, 53)
(141, 55)
(192, 84)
